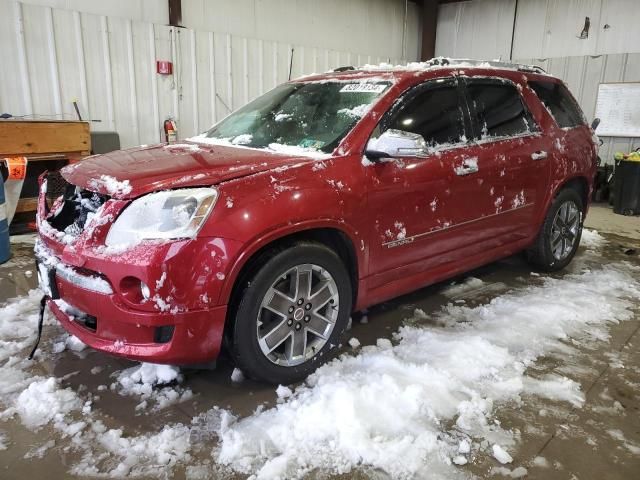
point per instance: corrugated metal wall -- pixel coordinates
(547, 34)
(365, 26)
(544, 28)
(52, 56)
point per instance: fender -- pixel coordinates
(280, 232)
(556, 187)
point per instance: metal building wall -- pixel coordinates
(366, 26)
(52, 56)
(154, 11)
(543, 28)
(547, 34)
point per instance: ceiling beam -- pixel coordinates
(175, 13)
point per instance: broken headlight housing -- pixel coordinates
(172, 214)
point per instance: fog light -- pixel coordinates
(144, 289)
(163, 334)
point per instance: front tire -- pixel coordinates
(292, 313)
(560, 234)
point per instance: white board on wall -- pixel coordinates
(618, 108)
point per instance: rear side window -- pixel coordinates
(559, 102)
(434, 113)
(498, 109)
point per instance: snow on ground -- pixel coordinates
(39, 401)
(404, 408)
(68, 342)
(18, 321)
(455, 289)
(156, 385)
(423, 404)
(591, 239)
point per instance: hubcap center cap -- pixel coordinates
(298, 314)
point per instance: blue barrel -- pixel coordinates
(5, 252)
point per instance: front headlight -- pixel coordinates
(164, 215)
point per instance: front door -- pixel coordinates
(420, 206)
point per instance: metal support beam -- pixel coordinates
(175, 13)
(429, 25)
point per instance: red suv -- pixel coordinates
(326, 195)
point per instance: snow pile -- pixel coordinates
(68, 342)
(154, 384)
(501, 454)
(469, 283)
(18, 322)
(42, 401)
(591, 239)
(619, 436)
(390, 407)
(111, 185)
(237, 376)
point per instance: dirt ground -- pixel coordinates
(596, 441)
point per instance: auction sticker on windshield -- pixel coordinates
(364, 88)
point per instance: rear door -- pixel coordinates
(573, 144)
(513, 156)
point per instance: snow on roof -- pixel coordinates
(444, 62)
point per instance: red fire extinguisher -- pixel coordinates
(170, 130)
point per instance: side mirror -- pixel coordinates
(396, 143)
(595, 123)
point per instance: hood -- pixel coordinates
(130, 173)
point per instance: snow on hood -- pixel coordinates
(130, 173)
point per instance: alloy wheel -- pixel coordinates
(297, 315)
(565, 229)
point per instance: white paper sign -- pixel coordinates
(618, 108)
(363, 88)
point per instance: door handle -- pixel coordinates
(468, 166)
(539, 155)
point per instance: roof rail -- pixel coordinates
(444, 61)
(344, 69)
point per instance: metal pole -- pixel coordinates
(291, 62)
(404, 31)
(513, 30)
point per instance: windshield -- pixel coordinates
(315, 115)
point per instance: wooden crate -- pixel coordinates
(44, 138)
(42, 141)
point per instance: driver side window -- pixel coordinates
(435, 113)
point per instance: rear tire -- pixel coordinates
(559, 237)
(292, 313)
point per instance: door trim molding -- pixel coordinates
(411, 239)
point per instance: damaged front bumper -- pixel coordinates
(98, 295)
(86, 309)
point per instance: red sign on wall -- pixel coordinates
(164, 67)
